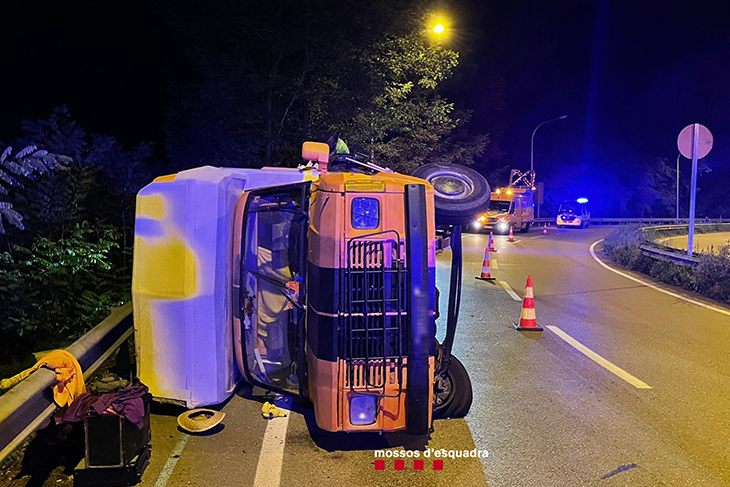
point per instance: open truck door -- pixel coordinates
(269, 287)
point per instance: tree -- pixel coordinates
(267, 81)
(26, 165)
(98, 183)
(386, 103)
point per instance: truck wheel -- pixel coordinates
(527, 228)
(452, 394)
(461, 193)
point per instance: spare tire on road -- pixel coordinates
(461, 193)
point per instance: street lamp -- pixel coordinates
(532, 142)
(678, 156)
(438, 25)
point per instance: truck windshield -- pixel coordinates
(500, 206)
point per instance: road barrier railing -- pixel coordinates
(25, 407)
(660, 251)
(639, 221)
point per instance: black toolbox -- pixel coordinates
(116, 451)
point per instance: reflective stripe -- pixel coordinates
(528, 313)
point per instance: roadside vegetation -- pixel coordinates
(710, 276)
(67, 195)
(67, 210)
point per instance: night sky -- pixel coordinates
(629, 75)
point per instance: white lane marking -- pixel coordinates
(516, 241)
(656, 288)
(494, 264)
(614, 369)
(509, 290)
(271, 458)
(166, 472)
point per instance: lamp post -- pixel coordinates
(677, 217)
(532, 141)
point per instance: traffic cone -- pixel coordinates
(490, 246)
(544, 229)
(528, 321)
(485, 275)
(511, 235)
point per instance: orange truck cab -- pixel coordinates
(510, 207)
(318, 282)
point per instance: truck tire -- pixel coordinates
(527, 227)
(452, 392)
(461, 193)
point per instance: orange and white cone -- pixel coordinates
(528, 320)
(485, 275)
(511, 235)
(490, 246)
(544, 229)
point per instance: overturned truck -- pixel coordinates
(317, 282)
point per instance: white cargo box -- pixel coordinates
(181, 284)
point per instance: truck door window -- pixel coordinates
(272, 247)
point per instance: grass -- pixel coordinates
(710, 277)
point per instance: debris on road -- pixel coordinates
(269, 411)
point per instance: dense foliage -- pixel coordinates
(66, 260)
(55, 290)
(263, 78)
(272, 76)
(26, 164)
(711, 276)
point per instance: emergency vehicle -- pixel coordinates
(574, 214)
(510, 207)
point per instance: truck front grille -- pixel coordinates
(373, 311)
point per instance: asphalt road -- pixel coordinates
(547, 413)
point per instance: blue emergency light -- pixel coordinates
(582, 200)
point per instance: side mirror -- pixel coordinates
(318, 152)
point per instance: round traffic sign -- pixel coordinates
(685, 141)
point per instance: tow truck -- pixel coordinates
(510, 207)
(316, 281)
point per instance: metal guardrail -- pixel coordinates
(679, 258)
(663, 252)
(27, 405)
(640, 221)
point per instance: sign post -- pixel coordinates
(694, 142)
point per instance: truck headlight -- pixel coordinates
(363, 410)
(502, 226)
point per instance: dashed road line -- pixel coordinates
(614, 369)
(510, 291)
(656, 288)
(271, 458)
(494, 264)
(169, 466)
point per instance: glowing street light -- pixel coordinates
(438, 25)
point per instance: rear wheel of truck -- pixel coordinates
(527, 228)
(461, 193)
(452, 395)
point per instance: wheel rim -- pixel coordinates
(450, 185)
(442, 390)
